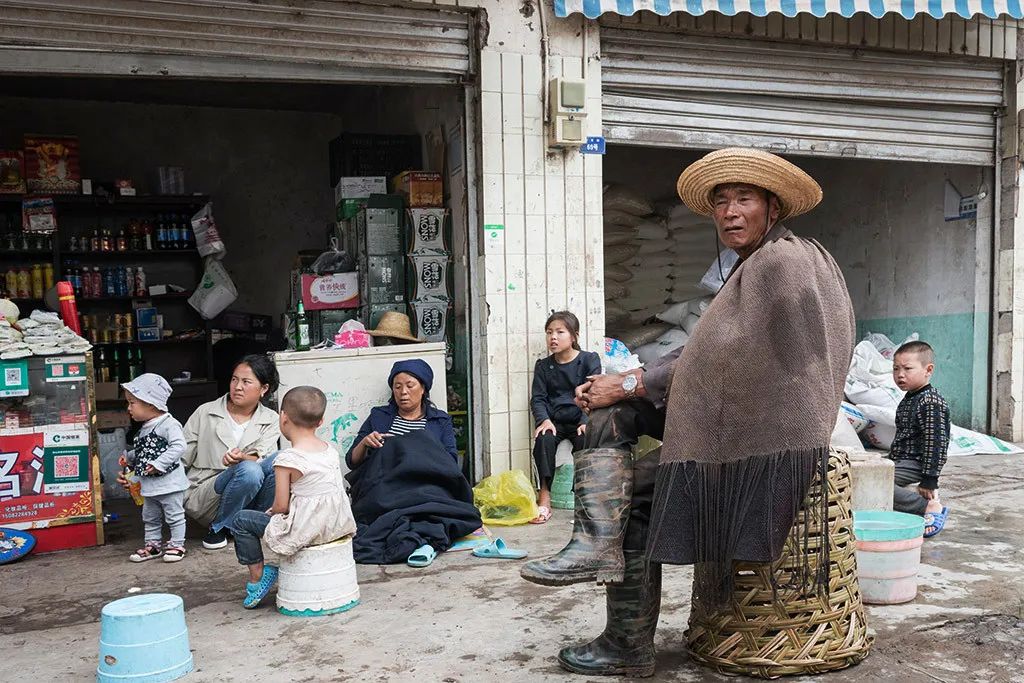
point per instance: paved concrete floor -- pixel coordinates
(469, 619)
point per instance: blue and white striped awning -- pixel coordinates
(791, 8)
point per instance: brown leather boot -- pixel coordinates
(603, 486)
(626, 647)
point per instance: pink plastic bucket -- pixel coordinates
(888, 555)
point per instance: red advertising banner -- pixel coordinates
(44, 477)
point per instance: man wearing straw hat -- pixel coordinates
(750, 405)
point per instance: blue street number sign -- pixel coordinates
(592, 146)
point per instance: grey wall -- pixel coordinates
(267, 172)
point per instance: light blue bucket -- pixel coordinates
(880, 525)
(143, 639)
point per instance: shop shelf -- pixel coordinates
(82, 301)
(162, 342)
(153, 254)
(116, 201)
(26, 255)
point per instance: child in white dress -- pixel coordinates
(310, 503)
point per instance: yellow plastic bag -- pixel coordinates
(506, 499)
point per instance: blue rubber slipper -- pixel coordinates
(255, 592)
(422, 556)
(935, 520)
(499, 551)
(468, 544)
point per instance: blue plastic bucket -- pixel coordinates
(143, 639)
(888, 555)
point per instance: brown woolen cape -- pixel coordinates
(752, 406)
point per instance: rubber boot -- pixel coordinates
(603, 484)
(626, 647)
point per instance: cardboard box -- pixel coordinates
(52, 164)
(149, 334)
(379, 231)
(420, 188)
(359, 187)
(430, 319)
(337, 290)
(146, 316)
(428, 230)
(430, 276)
(108, 391)
(112, 419)
(375, 311)
(325, 324)
(362, 154)
(385, 280)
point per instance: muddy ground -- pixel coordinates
(470, 619)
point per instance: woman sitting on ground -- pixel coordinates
(409, 496)
(231, 446)
(410, 409)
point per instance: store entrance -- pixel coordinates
(907, 267)
(275, 161)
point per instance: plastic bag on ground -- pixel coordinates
(869, 381)
(881, 429)
(506, 499)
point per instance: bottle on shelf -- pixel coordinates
(11, 282)
(122, 241)
(47, 276)
(147, 236)
(140, 282)
(102, 366)
(190, 237)
(24, 284)
(161, 232)
(138, 365)
(24, 241)
(109, 282)
(106, 241)
(97, 282)
(115, 366)
(73, 243)
(37, 281)
(134, 235)
(301, 329)
(95, 242)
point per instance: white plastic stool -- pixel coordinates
(318, 581)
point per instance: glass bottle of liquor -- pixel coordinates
(301, 329)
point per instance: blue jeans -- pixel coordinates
(248, 485)
(248, 527)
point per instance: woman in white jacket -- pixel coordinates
(232, 442)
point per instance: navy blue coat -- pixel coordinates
(439, 425)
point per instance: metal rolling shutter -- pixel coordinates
(682, 91)
(315, 40)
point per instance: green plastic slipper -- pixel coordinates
(497, 550)
(422, 556)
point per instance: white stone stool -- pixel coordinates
(318, 581)
(873, 484)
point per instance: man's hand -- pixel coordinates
(927, 494)
(543, 427)
(232, 457)
(150, 471)
(581, 430)
(600, 391)
(122, 480)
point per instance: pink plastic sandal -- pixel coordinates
(543, 515)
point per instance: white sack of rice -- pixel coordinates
(621, 253)
(621, 198)
(617, 273)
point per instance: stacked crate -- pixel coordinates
(380, 248)
(428, 236)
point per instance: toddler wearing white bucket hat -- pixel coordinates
(155, 459)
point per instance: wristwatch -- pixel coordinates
(629, 384)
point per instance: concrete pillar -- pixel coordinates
(872, 481)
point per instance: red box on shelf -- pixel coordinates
(52, 164)
(324, 292)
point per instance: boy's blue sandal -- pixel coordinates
(255, 592)
(935, 520)
(422, 556)
(499, 551)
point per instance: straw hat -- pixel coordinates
(395, 325)
(797, 191)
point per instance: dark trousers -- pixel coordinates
(908, 500)
(546, 445)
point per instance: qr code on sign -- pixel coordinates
(65, 466)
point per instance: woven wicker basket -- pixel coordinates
(768, 633)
